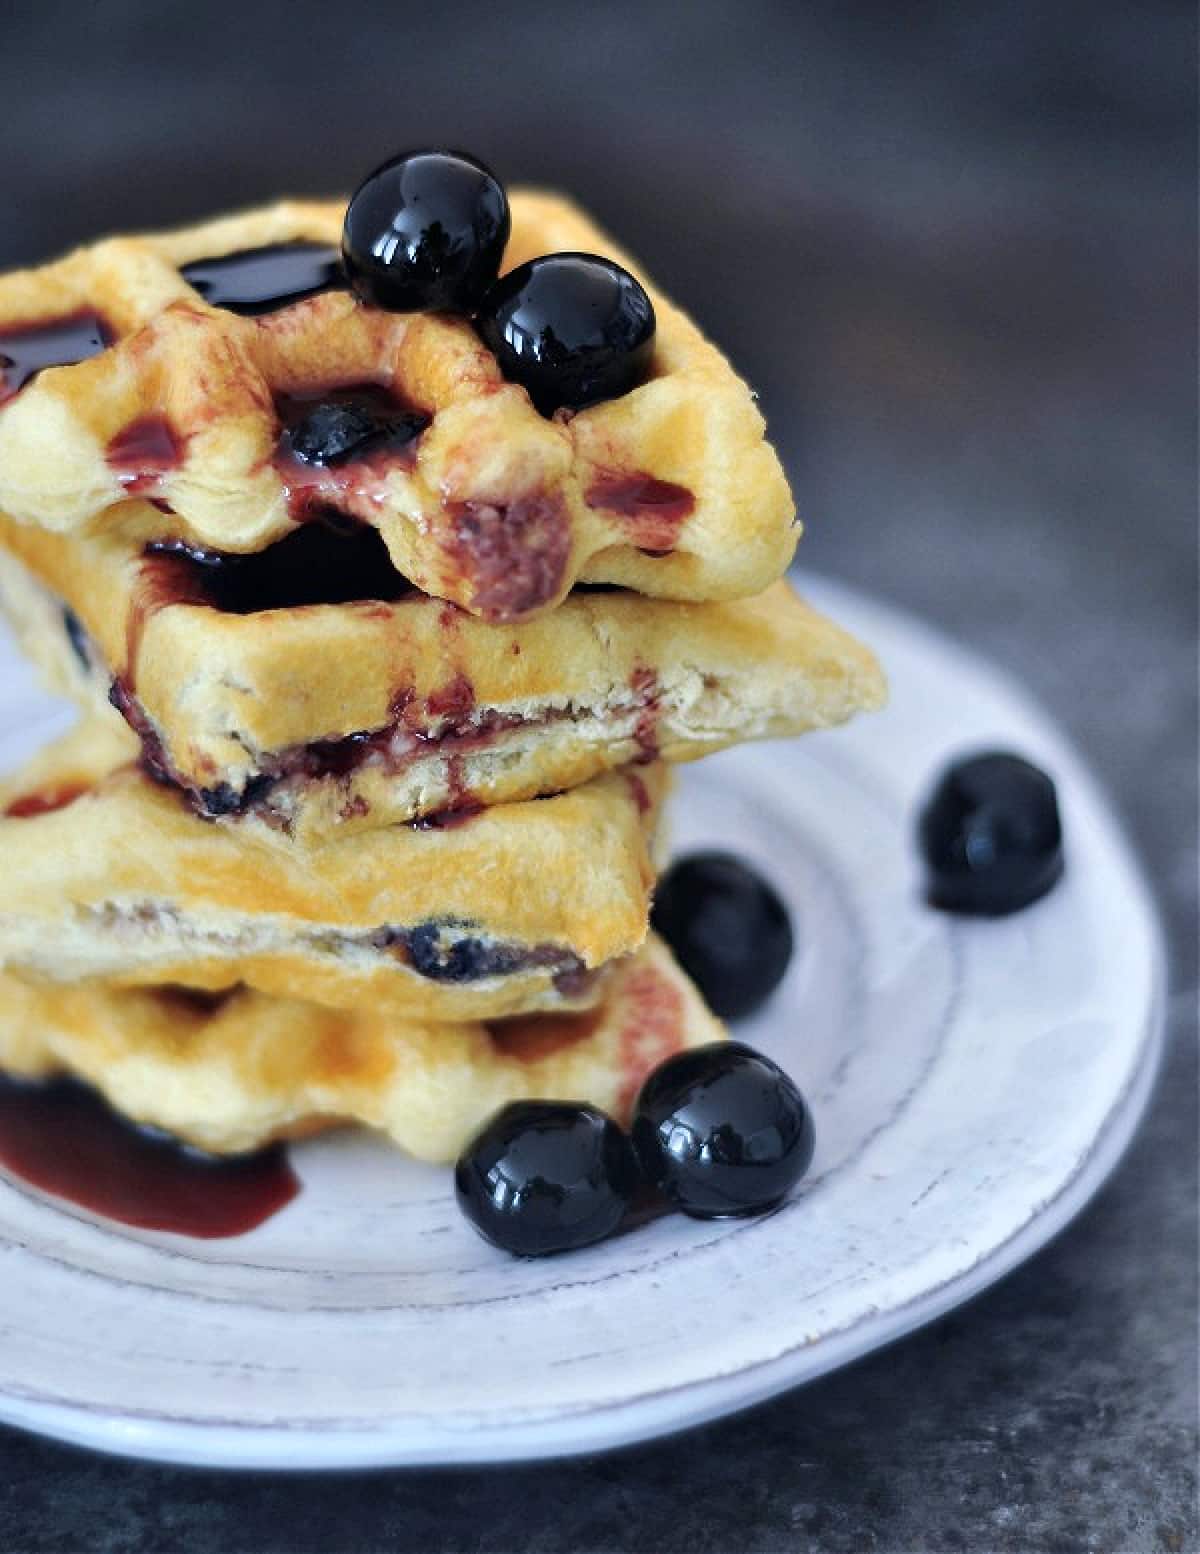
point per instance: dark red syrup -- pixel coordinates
(461, 804)
(25, 349)
(337, 440)
(44, 801)
(154, 758)
(455, 699)
(656, 509)
(259, 280)
(61, 1138)
(142, 452)
(450, 818)
(529, 1038)
(637, 789)
(341, 562)
(515, 555)
(644, 685)
(162, 581)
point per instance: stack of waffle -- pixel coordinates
(361, 820)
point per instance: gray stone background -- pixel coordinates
(954, 246)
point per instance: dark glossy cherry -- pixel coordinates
(991, 835)
(546, 1176)
(722, 1130)
(728, 928)
(425, 231)
(573, 328)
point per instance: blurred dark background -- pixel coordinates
(954, 247)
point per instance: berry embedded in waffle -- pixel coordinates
(228, 1072)
(333, 717)
(227, 373)
(108, 876)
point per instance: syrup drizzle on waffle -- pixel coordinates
(259, 280)
(53, 342)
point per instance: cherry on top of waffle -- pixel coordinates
(190, 367)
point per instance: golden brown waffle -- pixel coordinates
(229, 1074)
(108, 875)
(670, 489)
(342, 717)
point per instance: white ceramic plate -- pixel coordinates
(973, 1082)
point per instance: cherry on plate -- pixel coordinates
(991, 835)
(546, 1176)
(728, 929)
(721, 1130)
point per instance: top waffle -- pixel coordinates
(670, 490)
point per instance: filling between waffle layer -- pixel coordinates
(269, 789)
(447, 727)
(444, 950)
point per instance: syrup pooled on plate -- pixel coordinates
(61, 1138)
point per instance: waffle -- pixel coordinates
(670, 490)
(108, 876)
(324, 718)
(233, 1072)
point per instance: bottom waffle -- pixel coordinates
(232, 1072)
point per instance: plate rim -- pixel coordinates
(655, 1415)
(406, 1440)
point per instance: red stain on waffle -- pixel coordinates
(453, 701)
(516, 555)
(461, 805)
(653, 511)
(43, 801)
(530, 1038)
(637, 788)
(644, 685)
(162, 580)
(652, 1028)
(143, 452)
